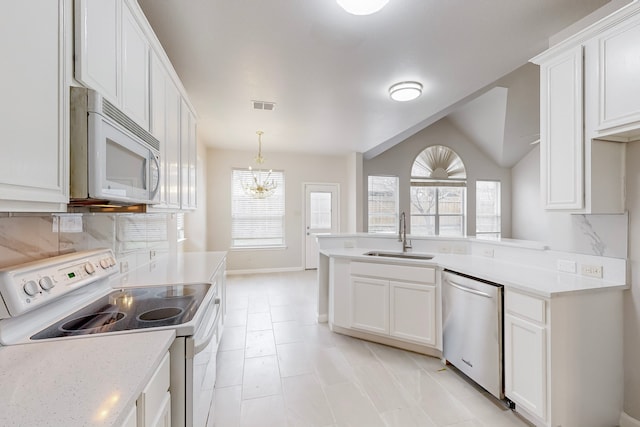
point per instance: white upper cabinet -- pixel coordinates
(561, 131)
(617, 51)
(34, 116)
(187, 157)
(590, 104)
(135, 69)
(98, 46)
(112, 54)
(118, 55)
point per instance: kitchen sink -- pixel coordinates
(406, 255)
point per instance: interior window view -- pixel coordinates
(363, 213)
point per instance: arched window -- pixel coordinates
(438, 193)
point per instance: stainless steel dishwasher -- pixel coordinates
(472, 329)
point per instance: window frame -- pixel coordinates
(438, 185)
(236, 191)
(396, 215)
(490, 234)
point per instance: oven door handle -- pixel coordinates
(197, 348)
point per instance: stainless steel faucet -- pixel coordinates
(402, 233)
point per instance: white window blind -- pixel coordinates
(488, 209)
(256, 223)
(383, 204)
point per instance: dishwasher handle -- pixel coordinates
(466, 289)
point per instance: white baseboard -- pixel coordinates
(628, 421)
(323, 318)
(264, 270)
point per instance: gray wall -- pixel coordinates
(399, 159)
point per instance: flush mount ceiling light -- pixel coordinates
(362, 7)
(405, 91)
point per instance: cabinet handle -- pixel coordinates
(465, 289)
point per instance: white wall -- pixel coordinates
(399, 159)
(298, 169)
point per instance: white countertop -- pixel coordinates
(93, 381)
(186, 267)
(89, 381)
(537, 281)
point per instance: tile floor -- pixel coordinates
(278, 367)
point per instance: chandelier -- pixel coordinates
(256, 186)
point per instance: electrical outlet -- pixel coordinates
(566, 266)
(591, 270)
(488, 252)
(444, 249)
(348, 244)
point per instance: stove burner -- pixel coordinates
(160, 314)
(100, 322)
(177, 292)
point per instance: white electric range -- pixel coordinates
(69, 297)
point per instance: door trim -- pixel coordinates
(304, 214)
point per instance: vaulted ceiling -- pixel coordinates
(329, 72)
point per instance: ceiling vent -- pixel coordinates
(263, 105)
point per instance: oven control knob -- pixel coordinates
(89, 268)
(46, 283)
(104, 263)
(30, 288)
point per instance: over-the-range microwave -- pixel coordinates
(113, 159)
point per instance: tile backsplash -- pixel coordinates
(30, 237)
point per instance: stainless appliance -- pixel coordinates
(69, 297)
(113, 159)
(472, 329)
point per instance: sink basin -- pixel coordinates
(406, 255)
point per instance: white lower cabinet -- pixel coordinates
(370, 304)
(563, 357)
(412, 312)
(525, 364)
(398, 303)
(154, 403)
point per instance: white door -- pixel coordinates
(321, 216)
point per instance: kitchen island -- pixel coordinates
(562, 331)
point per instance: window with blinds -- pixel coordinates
(256, 223)
(382, 204)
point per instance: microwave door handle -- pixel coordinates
(156, 185)
(144, 173)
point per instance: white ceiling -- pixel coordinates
(329, 72)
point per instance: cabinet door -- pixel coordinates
(172, 142)
(561, 131)
(413, 312)
(619, 68)
(187, 157)
(163, 417)
(34, 113)
(525, 364)
(97, 44)
(135, 70)
(157, 116)
(369, 304)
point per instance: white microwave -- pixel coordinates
(113, 159)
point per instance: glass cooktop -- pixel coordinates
(131, 308)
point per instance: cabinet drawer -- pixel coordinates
(395, 272)
(525, 306)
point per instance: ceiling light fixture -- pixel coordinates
(257, 187)
(362, 7)
(405, 91)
